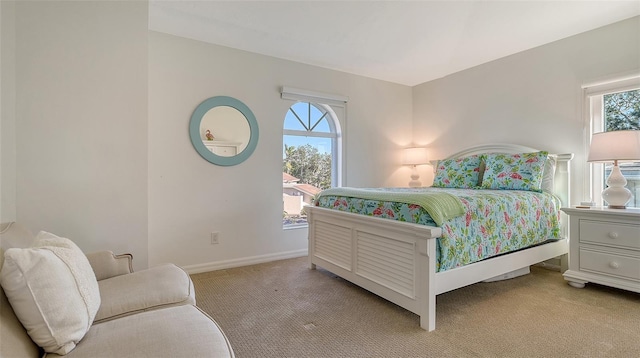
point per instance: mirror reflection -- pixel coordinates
(224, 131)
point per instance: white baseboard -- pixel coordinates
(245, 261)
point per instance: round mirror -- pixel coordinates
(223, 131)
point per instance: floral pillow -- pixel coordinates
(514, 171)
(458, 173)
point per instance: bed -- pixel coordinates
(399, 260)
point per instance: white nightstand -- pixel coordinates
(604, 247)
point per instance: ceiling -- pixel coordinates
(406, 42)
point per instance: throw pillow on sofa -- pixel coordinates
(53, 291)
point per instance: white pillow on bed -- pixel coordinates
(549, 173)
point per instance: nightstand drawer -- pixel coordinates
(610, 233)
(622, 266)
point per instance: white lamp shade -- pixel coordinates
(415, 156)
(615, 145)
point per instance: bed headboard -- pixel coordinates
(561, 177)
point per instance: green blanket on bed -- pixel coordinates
(440, 206)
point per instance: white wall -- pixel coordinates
(189, 198)
(7, 113)
(532, 98)
(81, 122)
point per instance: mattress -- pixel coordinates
(494, 222)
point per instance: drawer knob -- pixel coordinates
(613, 235)
(614, 265)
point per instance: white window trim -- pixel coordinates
(297, 94)
(329, 100)
(310, 134)
(593, 113)
(620, 84)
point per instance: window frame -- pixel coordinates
(334, 134)
(335, 106)
(593, 97)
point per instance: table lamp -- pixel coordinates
(414, 157)
(615, 146)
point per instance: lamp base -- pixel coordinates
(617, 207)
(616, 195)
(415, 183)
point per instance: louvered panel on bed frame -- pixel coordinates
(388, 262)
(397, 260)
(333, 244)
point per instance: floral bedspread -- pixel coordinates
(495, 221)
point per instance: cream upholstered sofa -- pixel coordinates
(110, 311)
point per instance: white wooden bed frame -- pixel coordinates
(397, 260)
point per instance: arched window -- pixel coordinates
(311, 156)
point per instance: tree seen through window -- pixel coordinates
(308, 158)
(622, 112)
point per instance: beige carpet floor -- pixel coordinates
(284, 309)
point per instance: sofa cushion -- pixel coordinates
(12, 331)
(53, 291)
(156, 287)
(180, 331)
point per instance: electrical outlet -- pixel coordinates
(215, 238)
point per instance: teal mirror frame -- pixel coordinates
(196, 140)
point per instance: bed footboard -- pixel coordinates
(395, 260)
